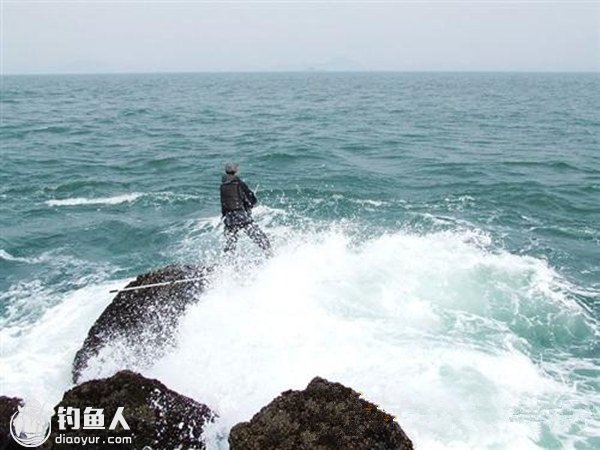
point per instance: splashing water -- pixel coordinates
(442, 331)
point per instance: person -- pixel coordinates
(237, 201)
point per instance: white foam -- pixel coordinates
(8, 257)
(35, 359)
(369, 202)
(393, 320)
(44, 257)
(125, 198)
(435, 328)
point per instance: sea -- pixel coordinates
(436, 241)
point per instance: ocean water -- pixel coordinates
(436, 236)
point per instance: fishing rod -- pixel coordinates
(165, 283)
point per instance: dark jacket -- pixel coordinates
(237, 201)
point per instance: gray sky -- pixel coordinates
(151, 36)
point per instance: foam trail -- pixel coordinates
(125, 198)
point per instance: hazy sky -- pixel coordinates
(149, 36)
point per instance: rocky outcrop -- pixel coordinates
(324, 416)
(158, 418)
(143, 321)
(8, 406)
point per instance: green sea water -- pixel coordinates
(410, 213)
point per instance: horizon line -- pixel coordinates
(282, 71)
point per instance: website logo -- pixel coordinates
(29, 426)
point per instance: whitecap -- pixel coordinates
(76, 201)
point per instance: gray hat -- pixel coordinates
(231, 168)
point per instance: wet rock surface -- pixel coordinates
(143, 321)
(324, 416)
(8, 406)
(158, 417)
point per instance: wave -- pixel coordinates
(50, 274)
(42, 258)
(8, 257)
(443, 330)
(156, 197)
(417, 323)
(36, 357)
(125, 198)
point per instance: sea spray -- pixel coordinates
(424, 325)
(37, 357)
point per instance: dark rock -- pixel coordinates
(8, 406)
(158, 417)
(324, 416)
(143, 321)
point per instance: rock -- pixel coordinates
(158, 417)
(143, 321)
(324, 416)
(8, 406)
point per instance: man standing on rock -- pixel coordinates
(237, 201)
